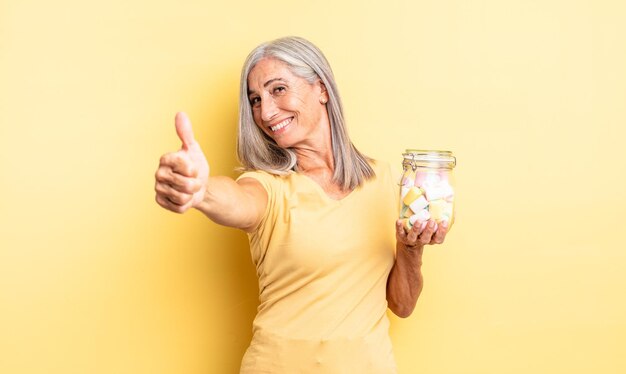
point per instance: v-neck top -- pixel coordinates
(322, 266)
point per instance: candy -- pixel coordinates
(419, 204)
(406, 223)
(443, 175)
(438, 210)
(403, 191)
(428, 197)
(406, 212)
(422, 216)
(437, 190)
(420, 177)
(432, 178)
(413, 194)
(426, 193)
(448, 209)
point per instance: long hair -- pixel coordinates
(257, 151)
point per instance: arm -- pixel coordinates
(405, 281)
(238, 204)
(183, 182)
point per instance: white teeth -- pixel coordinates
(280, 125)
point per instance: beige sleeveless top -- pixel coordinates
(322, 266)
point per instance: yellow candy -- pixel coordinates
(408, 212)
(437, 209)
(407, 224)
(447, 209)
(413, 194)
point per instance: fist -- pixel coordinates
(182, 176)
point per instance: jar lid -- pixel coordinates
(443, 158)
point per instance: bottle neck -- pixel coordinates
(430, 159)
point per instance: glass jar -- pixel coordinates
(427, 187)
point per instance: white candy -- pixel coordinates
(419, 204)
(437, 190)
(420, 177)
(414, 218)
(432, 178)
(444, 175)
(422, 216)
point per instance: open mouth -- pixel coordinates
(281, 124)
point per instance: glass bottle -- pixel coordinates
(427, 187)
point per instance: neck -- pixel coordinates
(315, 161)
(316, 156)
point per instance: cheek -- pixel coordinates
(256, 116)
(259, 123)
(315, 111)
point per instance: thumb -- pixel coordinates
(184, 130)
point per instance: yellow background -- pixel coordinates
(530, 96)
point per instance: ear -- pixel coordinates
(323, 91)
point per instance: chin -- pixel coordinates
(284, 145)
(283, 142)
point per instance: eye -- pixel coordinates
(255, 101)
(279, 90)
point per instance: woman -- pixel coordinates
(317, 213)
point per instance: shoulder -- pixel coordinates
(255, 174)
(379, 165)
(387, 178)
(270, 182)
(383, 170)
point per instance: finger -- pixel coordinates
(440, 234)
(419, 226)
(400, 232)
(180, 183)
(426, 235)
(174, 196)
(184, 130)
(180, 163)
(165, 203)
(414, 233)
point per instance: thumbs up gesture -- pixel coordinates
(182, 176)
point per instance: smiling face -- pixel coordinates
(286, 107)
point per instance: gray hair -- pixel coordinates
(257, 151)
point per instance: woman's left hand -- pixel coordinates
(415, 238)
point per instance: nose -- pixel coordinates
(268, 108)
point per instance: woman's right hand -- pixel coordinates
(182, 176)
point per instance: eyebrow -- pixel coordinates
(268, 83)
(272, 81)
